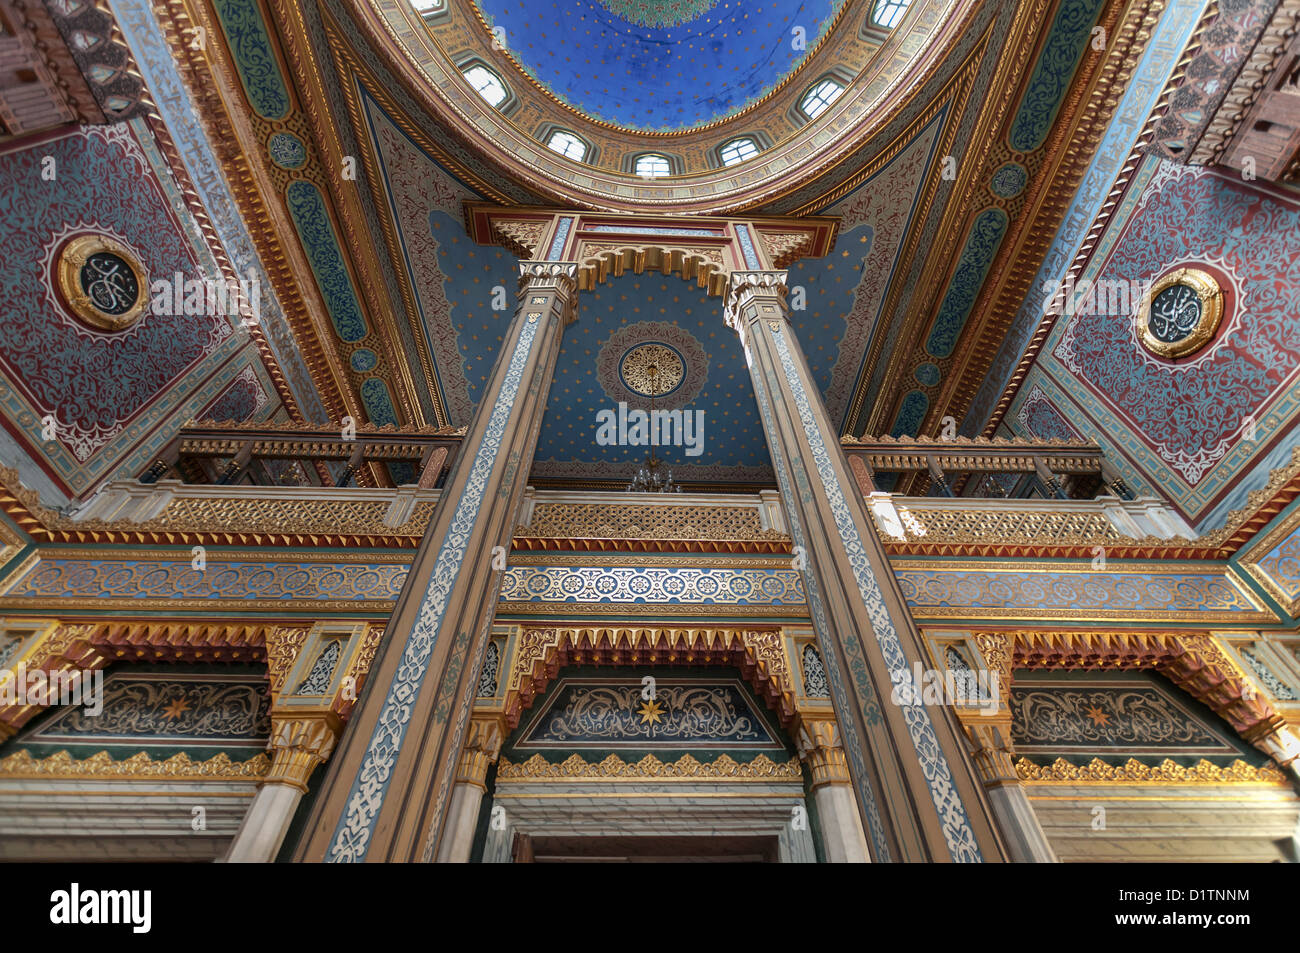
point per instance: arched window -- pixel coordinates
(652, 165)
(568, 145)
(817, 99)
(487, 84)
(738, 150)
(888, 13)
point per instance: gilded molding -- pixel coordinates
(219, 113)
(598, 521)
(1251, 561)
(1025, 246)
(650, 768)
(540, 652)
(1135, 772)
(138, 767)
(1195, 662)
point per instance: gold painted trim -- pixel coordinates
(1211, 295)
(138, 767)
(685, 768)
(73, 258)
(1133, 771)
(1257, 550)
(635, 610)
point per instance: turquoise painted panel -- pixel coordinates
(1071, 30)
(910, 414)
(319, 240)
(379, 403)
(250, 44)
(981, 245)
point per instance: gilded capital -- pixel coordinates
(744, 287)
(556, 279)
(992, 751)
(1282, 743)
(820, 749)
(299, 744)
(482, 746)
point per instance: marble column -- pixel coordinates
(843, 839)
(915, 786)
(387, 794)
(482, 747)
(993, 755)
(299, 745)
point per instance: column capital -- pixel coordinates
(558, 278)
(744, 286)
(992, 751)
(482, 747)
(820, 748)
(299, 744)
(1281, 742)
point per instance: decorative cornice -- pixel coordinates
(1195, 662)
(541, 651)
(1025, 246)
(138, 767)
(685, 768)
(283, 522)
(1135, 772)
(219, 112)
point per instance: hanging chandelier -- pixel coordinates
(648, 479)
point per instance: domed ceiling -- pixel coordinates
(659, 64)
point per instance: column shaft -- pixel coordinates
(262, 832)
(462, 821)
(389, 785)
(914, 783)
(841, 824)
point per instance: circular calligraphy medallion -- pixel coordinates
(1181, 313)
(102, 281)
